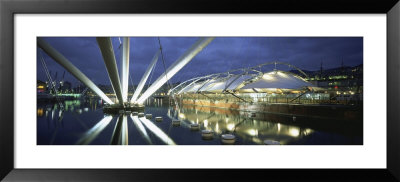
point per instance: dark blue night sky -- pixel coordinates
(222, 54)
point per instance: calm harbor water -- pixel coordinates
(83, 122)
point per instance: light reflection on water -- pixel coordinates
(83, 122)
(251, 131)
(93, 132)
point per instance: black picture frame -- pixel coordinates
(9, 8)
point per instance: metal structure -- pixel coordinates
(247, 80)
(276, 81)
(125, 68)
(107, 52)
(64, 62)
(175, 67)
(50, 80)
(145, 77)
(120, 87)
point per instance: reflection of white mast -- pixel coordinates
(52, 113)
(120, 134)
(124, 134)
(93, 132)
(141, 128)
(157, 131)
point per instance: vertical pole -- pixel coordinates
(107, 52)
(125, 68)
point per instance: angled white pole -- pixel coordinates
(229, 84)
(145, 77)
(190, 84)
(175, 67)
(190, 80)
(107, 52)
(176, 87)
(125, 68)
(60, 59)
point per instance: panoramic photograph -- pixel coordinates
(199, 91)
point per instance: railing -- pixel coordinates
(241, 98)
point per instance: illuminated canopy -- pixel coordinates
(249, 80)
(276, 81)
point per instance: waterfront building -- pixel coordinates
(41, 86)
(274, 91)
(66, 87)
(344, 80)
(252, 86)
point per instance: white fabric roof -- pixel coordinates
(209, 84)
(274, 81)
(217, 86)
(277, 80)
(192, 88)
(238, 83)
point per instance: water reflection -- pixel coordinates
(93, 132)
(157, 131)
(222, 121)
(78, 106)
(83, 122)
(40, 112)
(120, 134)
(141, 129)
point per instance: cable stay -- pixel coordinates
(165, 72)
(84, 91)
(165, 69)
(298, 97)
(233, 94)
(52, 85)
(130, 78)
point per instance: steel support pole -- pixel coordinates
(229, 84)
(125, 68)
(175, 67)
(176, 87)
(145, 77)
(190, 84)
(60, 59)
(107, 52)
(190, 80)
(212, 79)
